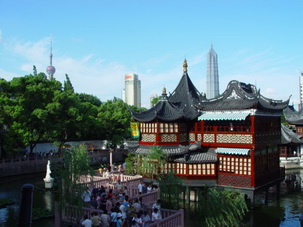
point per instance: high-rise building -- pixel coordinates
(301, 90)
(132, 89)
(212, 81)
(51, 69)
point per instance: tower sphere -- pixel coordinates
(51, 70)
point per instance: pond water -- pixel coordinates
(283, 212)
(11, 188)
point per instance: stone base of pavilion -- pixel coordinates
(70, 214)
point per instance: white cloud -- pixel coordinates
(88, 75)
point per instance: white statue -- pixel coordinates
(48, 180)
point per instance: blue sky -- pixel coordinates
(97, 42)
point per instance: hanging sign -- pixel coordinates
(135, 129)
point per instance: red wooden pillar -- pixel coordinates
(252, 163)
(252, 153)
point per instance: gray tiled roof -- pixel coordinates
(178, 105)
(186, 96)
(199, 157)
(239, 95)
(288, 136)
(168, 150)
(292, 116)
(131, 145)
(163, 110)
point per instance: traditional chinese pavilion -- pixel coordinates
(228, 141)
(295, 119)
(292, 139)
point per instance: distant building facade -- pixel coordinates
(212, 81)
(132, 90)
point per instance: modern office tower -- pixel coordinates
(132, 90)
(212, 82)
(51, 69)
(301, 90)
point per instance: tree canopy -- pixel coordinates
(34, 109)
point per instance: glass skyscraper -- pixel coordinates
(212, 82)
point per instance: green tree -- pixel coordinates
(154, 100)
(170, 190)
(221, 208)
(114, 117)
(90, 99)
(89, 125)
(68, 176)
(64, 113)
(68, 84)
(3, 115)
(25, 107)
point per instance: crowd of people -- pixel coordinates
(116, 208)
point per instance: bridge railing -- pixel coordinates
(96, 182)
(170, 218)
(131, 182)
(72, 214)
(147, 198)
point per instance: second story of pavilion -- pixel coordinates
(240, 117)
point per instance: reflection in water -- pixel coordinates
(48, 200)
(287, 210)
(3, 214)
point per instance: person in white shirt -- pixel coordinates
(149, 188)
(87, 222)
(123, 211)
(87, 196)
(156, 216)
(140, 186)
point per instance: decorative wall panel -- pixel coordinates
(208, 138)
(192, 137)
(168, 138)
(148, 138)
(234, 138)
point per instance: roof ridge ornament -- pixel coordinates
(164, 91)
(164, 95)
(185, 66)
(233, 95)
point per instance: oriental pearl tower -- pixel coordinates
(51, 69)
